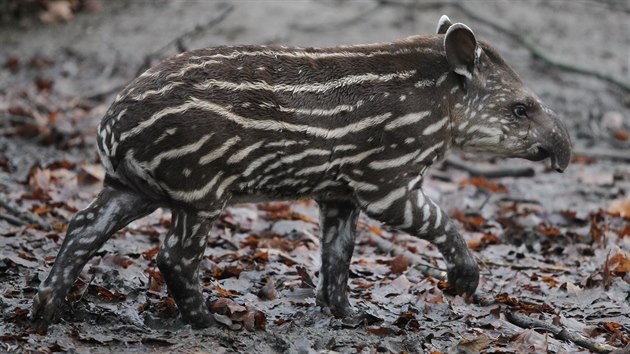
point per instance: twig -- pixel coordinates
(24, 216)
(524, 267)
(525, 321)
(510, 171)
(178, 41)
(159, 54)
(12, 219)
(536, 51)
(387, 246)
(602, 153)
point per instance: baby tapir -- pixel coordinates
(353, 127)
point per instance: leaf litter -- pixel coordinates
(557, 254)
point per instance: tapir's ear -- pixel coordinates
(461, 49)
(443, 24)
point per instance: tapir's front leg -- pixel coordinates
(88, 230)
(178, 261)
(338, 228)
(416, 214)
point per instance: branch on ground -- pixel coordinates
(559, 332)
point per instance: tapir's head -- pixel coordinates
(492, 110)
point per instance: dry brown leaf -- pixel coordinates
(399, 264)
(621, 207)
(58, 11)
(268, 292)
(474, 345)
(619, 263)
(90, 174)
(620, 135)
(482, 182)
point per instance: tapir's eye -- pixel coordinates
(520, 111)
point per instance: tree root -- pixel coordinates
(562, 333)
(25, 218)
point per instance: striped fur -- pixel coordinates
(354, 127)
(248, 98)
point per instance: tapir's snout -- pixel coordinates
(557, 143)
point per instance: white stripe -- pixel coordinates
(438, 217)
(261, 124)
(319, 87)
(218, 152)
(317, 111)
(121, 114)
(407, 119)
(317, 55)
(161, 91)
(384, 203)
(340, 161)
(193, 66)
(412, 184)
(226, 182)
(296, 157)
(439, 240)
(344, 147)
(258, 162)
(325, 184)
(435, 126)
(187, 149)
(423, 83)
(393, 163)
(441, 79)
(284, 143)
(428, 151)
(194, 194)
(239, 156)
(408, 216)
(426, 212)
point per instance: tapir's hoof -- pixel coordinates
(199, 319)
(340, 308)
(463, 276)
(45, 309)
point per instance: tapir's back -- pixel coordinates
(265, 119)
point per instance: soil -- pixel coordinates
(561, 240)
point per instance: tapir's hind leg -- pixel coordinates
(112, 209)
(178, 261)
(338, 225)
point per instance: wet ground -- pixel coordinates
(557, 245)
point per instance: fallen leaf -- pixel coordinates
(474, 345)
(482, 182)
(268, 292)
(620, 207)
(620, 135)
(306, 278)
(619, 263)
(399, 264)
(58, 11)
(90, 174)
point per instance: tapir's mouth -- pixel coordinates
(540, 154)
